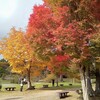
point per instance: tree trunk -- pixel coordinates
(29, 80)
(57, 81)
(89, 85)
(83, 74)
(97, 88)
(61, 78)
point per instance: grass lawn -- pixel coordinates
(65, 85)
(40, 90)
(39, 85)
(39, 93)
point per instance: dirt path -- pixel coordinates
(36, 95)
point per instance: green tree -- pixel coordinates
(4, 68)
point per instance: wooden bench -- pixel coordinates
(61, 84)
(45, 86)
(10, 88)
(70, 84)
(63, 94)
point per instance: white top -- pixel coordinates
(24, 80)
(21, 84)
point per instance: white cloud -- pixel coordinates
(19, 17)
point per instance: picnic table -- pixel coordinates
(63, 94)
(45, 86)
(61, 84)
(10, 88)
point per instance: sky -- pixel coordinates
(15, 13)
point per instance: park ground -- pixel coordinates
(37, 95)
(41, 93)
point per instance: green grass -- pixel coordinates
(39, 85)
(66, 86)
(4, 81)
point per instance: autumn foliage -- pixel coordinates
(17, 50)
(59, 64)
(53, 31)
(95, 9)
(58, 35)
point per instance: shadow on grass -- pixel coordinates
(14, 98)
(69, 96)
(60, 88)
(66, 96)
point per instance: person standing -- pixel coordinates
(25, 81)
(53, 82)
(21, 84)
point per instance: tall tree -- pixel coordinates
(17, 51)
(85, 12)
(95, 51)
(55, 34)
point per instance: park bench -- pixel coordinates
(70, 84)
(10, 88)
(45, 86)
(61, 84)
(63, 94)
